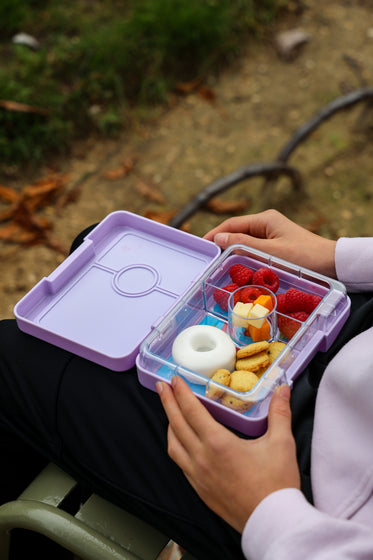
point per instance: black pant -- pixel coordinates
(109, 432)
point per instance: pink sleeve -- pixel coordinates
(284, 526)
(354, 263)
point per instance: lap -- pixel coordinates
(109, 432)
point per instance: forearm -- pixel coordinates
(286, 527)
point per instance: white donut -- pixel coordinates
(204, 349)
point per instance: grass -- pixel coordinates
(97, 60)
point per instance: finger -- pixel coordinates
(279, 414)
(224, 240)
(236, 224)
(177, 451)
(194, 412)
(179, 423)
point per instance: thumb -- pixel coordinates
(279, 414)
(225, 239)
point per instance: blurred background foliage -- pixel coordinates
(98, 59)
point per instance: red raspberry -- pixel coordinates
(287, 326)
(268, 278)
(281, 303)
(221, 295)
(313, 303)
(249, 294)
(240, 274)
(296, 300)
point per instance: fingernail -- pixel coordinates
(221, 239)
(159, 387)
(173, 380)
(284, 391)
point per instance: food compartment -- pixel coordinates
(291, 343)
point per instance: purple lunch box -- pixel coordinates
(134, 284)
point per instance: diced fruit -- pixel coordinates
(288, 326)
(249, 294)
(266, 277)
(221, 295)
(265, 301)
(241, 274)
(264, 333)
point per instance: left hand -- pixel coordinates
(230, 474)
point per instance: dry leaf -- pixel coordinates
(22, 108)
(207, 93)
(220, 206)
(123, 170)
(162, 217)
(150, 192)
(165, 218)
(7, 194)
(26, 227)
(188, 87)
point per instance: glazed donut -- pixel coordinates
(204, 349)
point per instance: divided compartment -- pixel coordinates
(245, 412)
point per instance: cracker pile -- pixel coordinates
(252, 361)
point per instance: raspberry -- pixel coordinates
(221, 295)
(287, 326)
(296, 300)
(268, 278)
(249, 294)
(241, 274)
(313, 303)
(281, 303)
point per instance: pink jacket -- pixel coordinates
(284, 526)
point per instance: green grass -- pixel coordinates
(99, 59)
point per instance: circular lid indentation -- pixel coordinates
(136, 280)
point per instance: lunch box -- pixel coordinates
(134, 284)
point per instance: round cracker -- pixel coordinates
(275, 348)
(253, 363)
(253, 348)
(221, 376)
(243, 380)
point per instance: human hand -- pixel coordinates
(273, 233)
(230, 474)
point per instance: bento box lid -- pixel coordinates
(108, 295)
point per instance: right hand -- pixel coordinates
(273, 233)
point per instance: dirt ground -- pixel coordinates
(257, 104)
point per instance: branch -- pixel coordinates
(224, 183)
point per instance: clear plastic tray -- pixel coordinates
(198, 306)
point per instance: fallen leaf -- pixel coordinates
(26, 226)
(150, 192)
(220, 206)
(162, 217)
(22, 107)
(188, 87)
(126, 167)
(165, 218)
(7, 194)
(207, 93)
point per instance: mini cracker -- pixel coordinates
(243, 380)
(275, 348)
(253, 363)
(222, 376)
(252, 349)
(235, 403)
